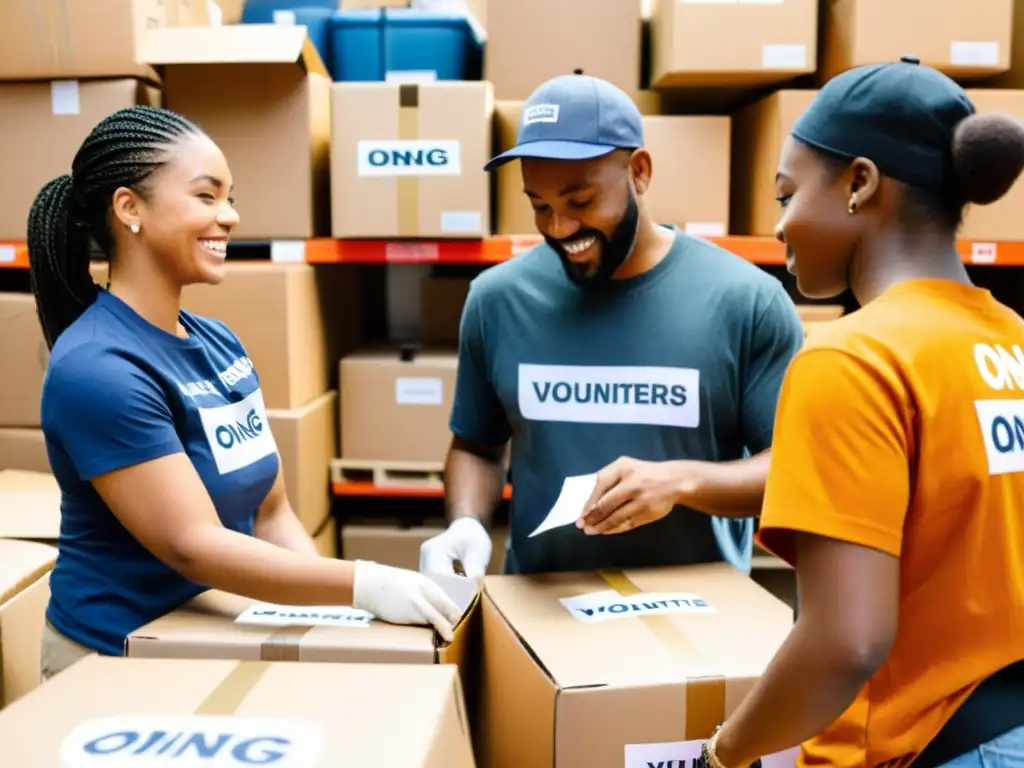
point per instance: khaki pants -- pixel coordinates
(59, 652)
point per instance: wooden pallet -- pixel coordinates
(404, 474)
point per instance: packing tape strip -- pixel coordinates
(408, 186)
(226, 697)
(705, 696)
(283, 644)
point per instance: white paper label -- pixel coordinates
(284, 17)
(983, 253)
(7, 254)
(411, 76)
(269, 615)
(238, 433)
(412, 252)
(288, 251)
(597, 607)
(784, 57)
(684, 754)
(461, 222)
(705, 228)
(408, 157)
(569, 505)
(64, 97)
(973, 54)
(192, 740)
(416, 390)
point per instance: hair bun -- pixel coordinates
(988, 156)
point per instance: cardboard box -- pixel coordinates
(75, 39)
(295, 320)
(759, 133)
(326, 539)
(690, 656)
(57, 116)
(23, 449)
(1000, 220)
(24, 592)
(205, 628)
(390, 543)
(315, 715)
(307, 439)
(407, 159)
(733, 44)
(25, 357)
(682, 149)
(29, 505)
(942, 33)
(394, 410)
(530, 41)
(262, 93)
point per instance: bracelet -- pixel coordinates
(708, 756)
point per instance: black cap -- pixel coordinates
(900, 116)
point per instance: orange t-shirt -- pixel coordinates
(901, 427)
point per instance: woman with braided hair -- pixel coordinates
(153, 417)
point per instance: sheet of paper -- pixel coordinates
(269, 615)
(461, 589)
(682, 753)
(569, 505)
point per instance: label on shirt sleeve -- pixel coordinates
(238, 433)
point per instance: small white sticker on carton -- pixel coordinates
(408, 157)
(284, 17)
(419, 390)
(973, 54)
(288, 251)
(461, 223)
(411, 76)
(791, 56)
(705, 228)
(64, 97)
(607, 605)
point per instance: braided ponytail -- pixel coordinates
(123, 150)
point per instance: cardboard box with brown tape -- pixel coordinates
(25, 568)
(658, 656)
(104, 710)
(407, 159)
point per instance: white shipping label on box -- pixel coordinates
(419, 390)
(64, 97)
(211, 741)
(408, 157)
(682, 754)
(784, 56)
(285, 17)
(609, 604)
(972, 54)
(269, 615)
(411, 76)
(461, 222)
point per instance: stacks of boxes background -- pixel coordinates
(348, 271)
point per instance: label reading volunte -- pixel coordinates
(607, 605)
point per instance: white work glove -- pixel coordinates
(465, 540)
(400, 596)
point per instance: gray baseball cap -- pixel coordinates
(575, 117)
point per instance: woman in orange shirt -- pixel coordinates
(897, 479)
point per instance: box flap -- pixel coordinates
(234, 44)
(21, 564)
(663, 648)
(29, 505)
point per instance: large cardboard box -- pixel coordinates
(71, 39)
(395, 410)
(962, 40)
(530, 41)
(1000, 220)
(43, 126)
(759, 132)
(262, 93)
(25, 357)
(307, 439)
(23, 449)
(682, 148)
(205, 628)
(407, 159)
(295, 320)
(106, 710)
(733, 44)
(29, 506)
(690, 644)
(392, 543)
(24, 592)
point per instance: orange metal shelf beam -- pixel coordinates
(366, 490)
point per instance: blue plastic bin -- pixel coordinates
(316, 20)
(262, 6)
(368, 45)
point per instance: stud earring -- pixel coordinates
(134, 228)
(852, 207)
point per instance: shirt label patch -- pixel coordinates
(238, 433)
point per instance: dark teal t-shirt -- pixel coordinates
(119, 391)
(683, 362)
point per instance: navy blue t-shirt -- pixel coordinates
(118, 392)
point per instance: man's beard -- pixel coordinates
(613, 251)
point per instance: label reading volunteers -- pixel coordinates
(267, 615)
(609, 604)
(684, 754)
(191, 740)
